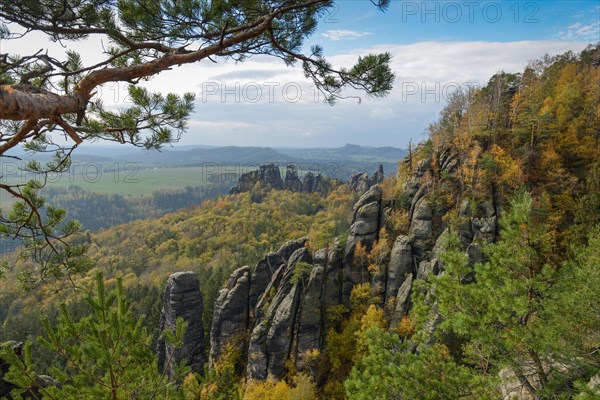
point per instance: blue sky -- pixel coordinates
(437, 46)
(502, 21)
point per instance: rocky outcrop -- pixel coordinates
(282, 302)
(262, 275)
(182, 299)
(290, 247)
(330, 259)
(400, 266)
(316, 183)
(310, 316)
(378, 176)
(268, 176)
(421, 228)
(402, 302)
(360, 181)
(271, 340)
(364, 229)
(274, 312)
(231, 313)
(292, 182)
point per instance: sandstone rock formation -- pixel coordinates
(268, 176)
(292, 182)
(274, 313)
(231, 313)
(182, 298)
(360, 181)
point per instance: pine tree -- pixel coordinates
(107, 354)
(390, 370)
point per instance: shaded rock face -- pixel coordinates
(261, 277)
(316, 183)
(271, 339)
(364, 229)
(421, 229)
(378, 176)
(310, 316)
(290, 247)
(274, 312)
(400, 266)
(413, 184)
(402, 303)
(267, 175)
(331, 260)
(292, 182)
(182, 298)
(360, 181)
(230, 313)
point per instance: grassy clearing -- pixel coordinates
(133, 181)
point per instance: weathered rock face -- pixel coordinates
(316, 183)
(421, 228)
(412, 186)
(364, 229)
(360, 181)
(274, 312)
(310, 316)
(402, 302)
(400, 267)
(292, 182)
(330, 259)
(230, 314)
(271, 339)
(182, 298)
(378, 176)
(322, 185)
(262, 275)
(288, 248)
(267, 175)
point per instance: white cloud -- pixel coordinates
(579, 31)
(425, 73)
(342, 34)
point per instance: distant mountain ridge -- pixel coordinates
(355, 152)
(179, 155)
(340, 162)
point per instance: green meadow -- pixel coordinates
(127, 180)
